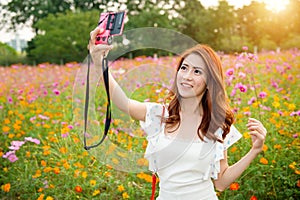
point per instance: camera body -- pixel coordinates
(112, 23)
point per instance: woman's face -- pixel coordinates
(191, 77)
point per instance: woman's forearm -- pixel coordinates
(234, 171)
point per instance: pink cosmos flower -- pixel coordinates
(245, 48)
(238, 65)
(15, 145)
(243, 88)
(43, 117)
(262, 95)
(11, 156)
(247, 113)
(56, 92)
(233, 92)
(242, 75)
(251, 101)
(70, 127)
(229, 72)
(10, 100)
(34, 140)
(64, 135)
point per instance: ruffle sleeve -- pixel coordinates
(232, 137)
(152, 127)
(152, 124)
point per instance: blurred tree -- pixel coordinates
(252, 20)
(292, 16)
(7, 54)
(224, 20)
(197, 22)
(63, 37)
(22, 12)
(147, 13)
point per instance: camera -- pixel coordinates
(113, 24)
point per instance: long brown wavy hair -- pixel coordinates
(216, 110)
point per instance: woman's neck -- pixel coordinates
(191, 106)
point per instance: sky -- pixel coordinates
(27, 33)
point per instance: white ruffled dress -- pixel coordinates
(184, 167)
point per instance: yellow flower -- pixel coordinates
(84, 174)
(275, 104)
(121, 188)
(93, 182)
(246, 135)
(96, 192)
(291, 106)
(5, 169)
(49, 198)
(276, 98)
(297, 172)
(125, 195)
(6, 187)
(115, 161)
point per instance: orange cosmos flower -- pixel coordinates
(6, 187)
(78, 189)
(263, 161)
(253, 197)
(234, 186)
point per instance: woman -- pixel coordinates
(189, 138)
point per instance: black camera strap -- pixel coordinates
(86, 105)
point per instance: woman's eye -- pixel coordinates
(183, 67)
(197, 72)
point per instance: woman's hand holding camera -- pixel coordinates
(97, 51)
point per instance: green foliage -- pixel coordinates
(221, 27)
(63, 37)
(8, 55)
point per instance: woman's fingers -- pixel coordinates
(257, 135)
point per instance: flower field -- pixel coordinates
(41, 148)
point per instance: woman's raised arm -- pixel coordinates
(135, 109)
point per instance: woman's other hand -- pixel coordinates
(258, 134)
(97, 51)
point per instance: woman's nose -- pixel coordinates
(188, 75)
